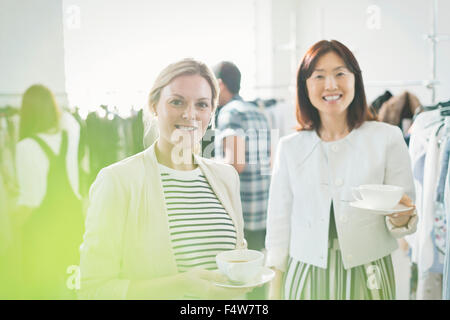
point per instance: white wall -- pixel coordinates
(116, 48)
(31, 40)
(396, 51)
(32, 44)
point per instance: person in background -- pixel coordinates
(157, 220)
(48, 214)
(229, 79)
(243, 139)
(320, 246)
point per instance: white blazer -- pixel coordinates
(127, 232)
(310, 174)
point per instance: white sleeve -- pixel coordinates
(32, 170)
(279, 213)
(101, 250)
(399, 172)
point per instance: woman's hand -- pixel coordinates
(200, 283)
(400, 219)
(275, 285)
(195, 283)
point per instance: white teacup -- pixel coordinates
(378, 196)
(240, 265)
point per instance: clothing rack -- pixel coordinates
(429, 155)
(15, 98)
(442, 105)
(8, 111)
(399, 83)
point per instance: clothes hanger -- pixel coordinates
(444, 113)
(444, 108)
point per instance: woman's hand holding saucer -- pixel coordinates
(201, 283)
(400, 219)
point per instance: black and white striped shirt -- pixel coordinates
(200, 228)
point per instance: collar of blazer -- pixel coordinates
(213, 174)
(309, 140)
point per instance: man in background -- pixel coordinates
(242, 139)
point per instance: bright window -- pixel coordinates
(115, 49)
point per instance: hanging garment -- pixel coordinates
(421, 130)
(103, 142)
(399, 107)
(426, 243)
(134, 133)
(378, 102)
(8, 183)
(83, 157)
(424, 149)
(440, 221)
(446, 275)
(53, 233)
(444, 170)
(9, 242)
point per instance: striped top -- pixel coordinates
(199, 226)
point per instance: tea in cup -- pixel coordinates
(378, 196)
(240, 265)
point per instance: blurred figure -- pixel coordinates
(243, 140)
(48, 210)
(229, 79)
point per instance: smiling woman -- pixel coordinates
(184, 111)
(157, 220)
(335, 254)
(330, 69)
(183, 99)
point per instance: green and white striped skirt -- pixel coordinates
(372, 281)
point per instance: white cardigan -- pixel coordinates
(127, 233)
(304, 184)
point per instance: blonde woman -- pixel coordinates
(157, 220)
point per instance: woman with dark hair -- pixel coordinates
(48, 213)
(39, 112)
(319, 245)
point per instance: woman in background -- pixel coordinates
(320, 246)
(49, 211)
(157, 220)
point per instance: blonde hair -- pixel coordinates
(167, 75)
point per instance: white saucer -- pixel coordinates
(398, 208)
(264, 276)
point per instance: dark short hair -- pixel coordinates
(39, 111)
(230, 75)
(307, 115)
